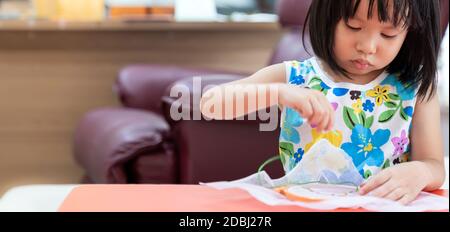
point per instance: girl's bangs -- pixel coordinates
(403, 11)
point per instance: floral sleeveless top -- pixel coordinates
(372, 121)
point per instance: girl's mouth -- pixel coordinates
(360, 64)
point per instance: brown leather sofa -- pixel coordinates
(140, 143)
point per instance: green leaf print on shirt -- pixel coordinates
(364, 120)
(286, 151)
(390, 104)
(386, 115)
(394, 107)
(369, 122)
(394, 96)
(317, 84)
(367, 174)
(351, 118)
(386, 164)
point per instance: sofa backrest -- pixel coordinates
(292, 15)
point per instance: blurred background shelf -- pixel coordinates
(135, 25)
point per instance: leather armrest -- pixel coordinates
(107, 138)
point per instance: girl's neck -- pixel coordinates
(355, 78)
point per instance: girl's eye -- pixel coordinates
(388, 36)
(353, 28)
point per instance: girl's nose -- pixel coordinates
(367, 45)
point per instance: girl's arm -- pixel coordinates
(264, 89)
(241, 91)
(426, 140)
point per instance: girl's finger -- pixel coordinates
(384, 189)
(405, 199)
(327, 120)
(318, 112)
(304, 107)
(375, 181)
(330, 114)
(321, 125)
(396, 194)
(331, 121)
(331, 124)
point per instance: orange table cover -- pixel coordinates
(172, 198)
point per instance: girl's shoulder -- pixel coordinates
(298, 72)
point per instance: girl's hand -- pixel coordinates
(401, 183)
(311, 104)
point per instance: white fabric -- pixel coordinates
(261, 186)
(424, 202)
(35, 198)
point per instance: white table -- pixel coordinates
(35, 198)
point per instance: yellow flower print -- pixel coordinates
(334, 137)
(295, 64)
(380, 93)
(357, 106)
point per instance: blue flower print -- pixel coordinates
(409, 111)
(340, 91)
(288, 130)
(294, 160)
(296, 79)
(403, 91)
(298, 155)
(365, 147)
(368, 106)
(324, 86)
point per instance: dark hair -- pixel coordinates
(416, 61)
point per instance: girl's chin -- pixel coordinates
(356, 72)
(364, 71)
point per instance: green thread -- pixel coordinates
(270, 160)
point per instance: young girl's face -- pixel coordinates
(366, 46)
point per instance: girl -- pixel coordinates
(369, 90)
